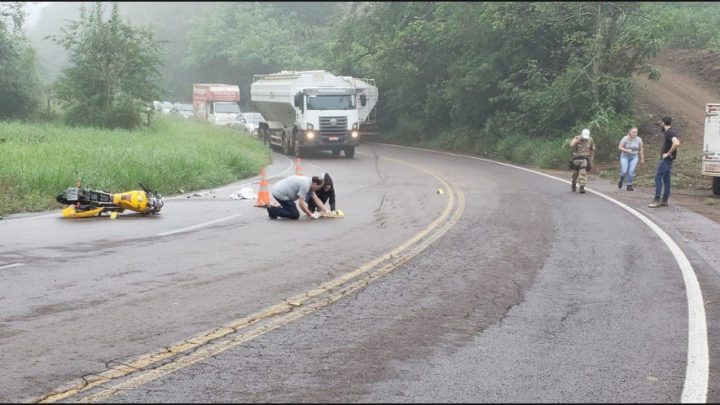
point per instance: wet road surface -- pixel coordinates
(502, 286)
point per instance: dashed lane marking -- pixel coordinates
(190, 228)
(11, 265)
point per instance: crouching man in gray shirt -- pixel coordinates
(292, 188)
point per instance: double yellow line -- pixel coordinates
(154, 365)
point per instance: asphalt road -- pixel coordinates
(450, 279)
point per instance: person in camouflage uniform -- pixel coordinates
(583, 150)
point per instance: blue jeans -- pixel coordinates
(662, 176)
(287, 209)
(628, 163)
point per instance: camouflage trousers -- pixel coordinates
(579, 175)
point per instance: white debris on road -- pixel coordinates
(245, 193)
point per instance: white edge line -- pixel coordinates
(11, 265)
(245, 184)
(32, 217)
(190, 228)
(698, 360)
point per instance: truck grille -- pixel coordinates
(340, 127)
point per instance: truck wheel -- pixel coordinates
(350, 152)
(264, 136)
(716, 185)
(336, 152)
(285, 145)
(297, 150)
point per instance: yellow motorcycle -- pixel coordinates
(84, 202)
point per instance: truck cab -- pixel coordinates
(218, 104)
(327, 119)
(223, 112)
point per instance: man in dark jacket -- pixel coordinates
(327, 191)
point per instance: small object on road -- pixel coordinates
(333, 214)
(440, 191)
(245, 193)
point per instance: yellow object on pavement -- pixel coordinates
(70, 212)
(333, 214)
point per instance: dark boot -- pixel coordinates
(573, 186)
(582, 189)
(620, 182)
(664, 203)
(629, 187)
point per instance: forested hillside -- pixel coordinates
(506, 79)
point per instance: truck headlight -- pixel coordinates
(355, 125)
(354, 134)
(310, 126)
(309, 135)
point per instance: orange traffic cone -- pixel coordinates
(263, 199)
(298, 167)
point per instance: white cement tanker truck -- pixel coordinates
(367, 114)
(309, 110)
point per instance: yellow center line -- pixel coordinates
(216, 348)
(288, 307)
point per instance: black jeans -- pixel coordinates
(287, 209)
(311, 203)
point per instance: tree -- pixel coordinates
(113, 73)
(234, 41)
(497, 69)
(19, 83)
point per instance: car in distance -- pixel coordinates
(162, 107)
(183, 110)
(248, 122)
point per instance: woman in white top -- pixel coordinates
(630, 147)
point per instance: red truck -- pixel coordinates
(216, 103)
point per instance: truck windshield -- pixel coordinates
(341, 102)
(227, 108)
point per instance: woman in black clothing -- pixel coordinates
(327, 191)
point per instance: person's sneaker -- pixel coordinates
(664, 203)
(573, 187)
(654, 204)
(620, 183)
(271, 215)
(630, 187)
(582, 189)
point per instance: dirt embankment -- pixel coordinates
(690, 79)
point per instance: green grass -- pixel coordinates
(539, 152)
(38, 161)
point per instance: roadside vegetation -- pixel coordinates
(39, 161)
